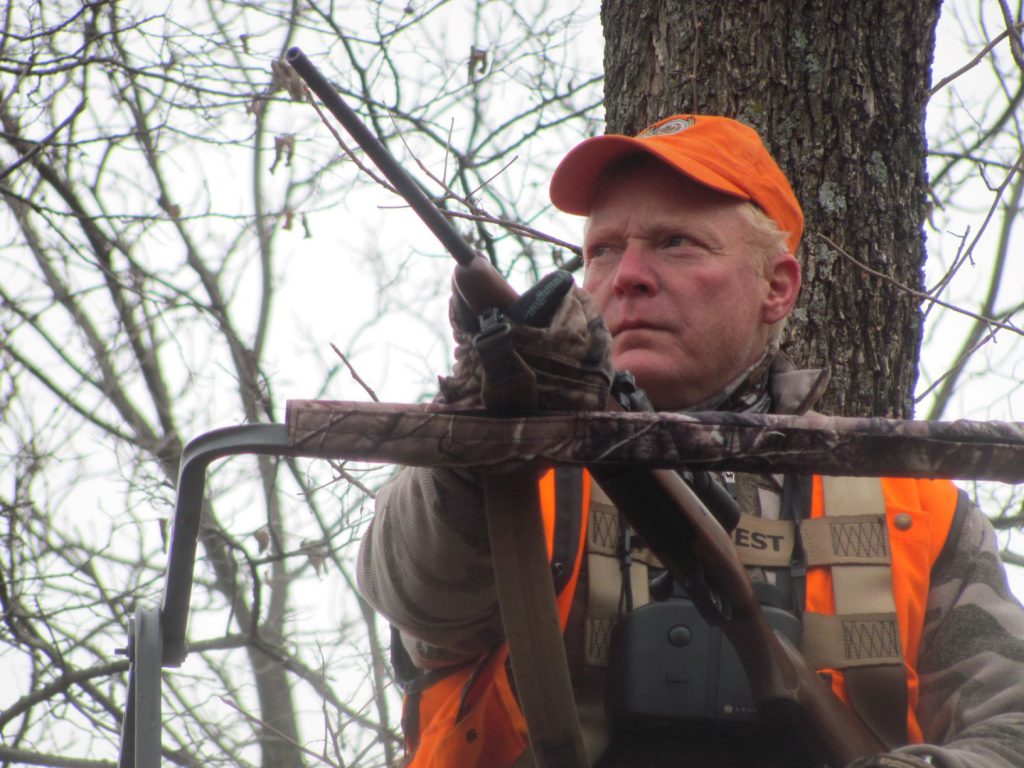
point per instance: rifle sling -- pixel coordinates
(522, 570)
(526, 594)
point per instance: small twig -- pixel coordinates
(356, 376)
(1017, 167)
(1012, 27)
(990, 336)
(334, 736)
(420, 164)
(39, 145)
(478, 214)
(27, 757)
(977, 59)
(468, 200)
(344, 474)
(535, 234)
(345, 148)
(263, 724)
(920, 294)
(958, 260)
(513, 226)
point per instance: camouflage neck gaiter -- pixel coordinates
(749, 392)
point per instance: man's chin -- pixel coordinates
(668, 388)
(642, 364)
(660, 384)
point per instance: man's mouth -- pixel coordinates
(634, 325)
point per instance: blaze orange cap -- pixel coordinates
(718, 152)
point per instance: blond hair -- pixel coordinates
(765, 238)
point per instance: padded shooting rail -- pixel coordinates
(433, 435)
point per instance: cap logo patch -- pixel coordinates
(678, 125)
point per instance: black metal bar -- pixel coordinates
(141, 727)
(147, 664)
(267, 439)
(126, 754)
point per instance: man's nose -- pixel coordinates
(635, 274)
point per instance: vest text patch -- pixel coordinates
(764, 542)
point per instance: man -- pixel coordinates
(690, 257)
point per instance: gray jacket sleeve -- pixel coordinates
(425, 564)
(972, 659)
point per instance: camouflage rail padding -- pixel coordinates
(434, 435)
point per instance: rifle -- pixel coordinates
(661, 507)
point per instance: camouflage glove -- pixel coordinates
(890, 760)
(555, 330)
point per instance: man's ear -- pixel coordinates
(783, 275)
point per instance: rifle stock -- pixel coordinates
(662, 508)
(482, 287)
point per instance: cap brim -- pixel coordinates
(575, 179)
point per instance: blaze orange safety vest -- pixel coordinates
(468, 717)
(916, 542)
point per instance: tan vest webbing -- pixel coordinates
(862, 638)
(604, 576)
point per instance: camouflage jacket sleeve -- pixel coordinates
(972, 660)
(425, 564)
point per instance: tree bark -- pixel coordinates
(838, 92)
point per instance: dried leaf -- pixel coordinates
(477, 62)
(316, 552)
(262, 538)
(284, 146)
(283, 77)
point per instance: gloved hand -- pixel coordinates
(556, 330)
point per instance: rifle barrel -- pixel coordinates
(406, 186)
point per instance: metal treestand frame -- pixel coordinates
(157, 634)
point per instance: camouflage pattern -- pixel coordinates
(972, 657)
(890, 761)
(436, 435)
(569, 359)
(425, 565)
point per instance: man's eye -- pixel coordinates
(597, 251)
(674, 241)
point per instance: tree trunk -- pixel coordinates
(837, 90)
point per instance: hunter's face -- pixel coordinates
(687, 301)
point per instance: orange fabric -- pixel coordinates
(930, 504)
(490, 731)
(717, 152)
(470, 718)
